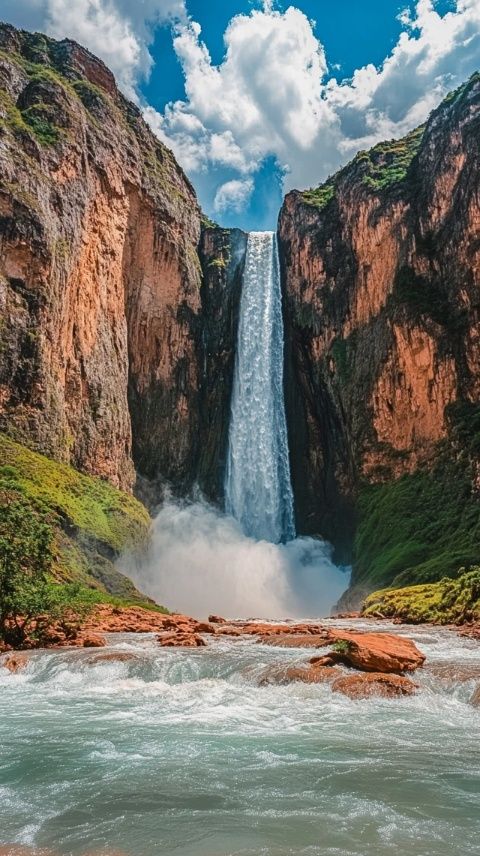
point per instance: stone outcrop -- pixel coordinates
(361, 686)
(381, 271)
(116, 354)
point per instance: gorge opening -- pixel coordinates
(247, 560)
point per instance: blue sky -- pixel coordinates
(256, 98)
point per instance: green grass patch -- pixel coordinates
(450, 601)
(89, 504)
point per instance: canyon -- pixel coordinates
(119, 306)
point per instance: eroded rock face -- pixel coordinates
(114, 355)
(381, 272)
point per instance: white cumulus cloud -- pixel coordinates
(233, 195)
(272, 94)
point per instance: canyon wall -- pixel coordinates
(381, 270)
(105, 348)
(222, 254)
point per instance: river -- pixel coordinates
(184, 752)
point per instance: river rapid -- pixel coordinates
(184, 752)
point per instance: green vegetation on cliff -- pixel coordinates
(381, 167)
(424, 526)
(450, 601)
(319, 197)
(420, 527)
(92, 522)
(388, 163)
(31, 602)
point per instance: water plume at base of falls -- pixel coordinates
(200, 562)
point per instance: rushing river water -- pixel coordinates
(183, 752)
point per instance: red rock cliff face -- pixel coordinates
(382, 289)
(99, 274)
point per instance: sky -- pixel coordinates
(257, 98)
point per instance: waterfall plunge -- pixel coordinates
(258, 491)
(202, 561)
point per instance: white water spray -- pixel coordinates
(258, 491)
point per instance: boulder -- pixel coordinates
(306, 674)
(216, 619)
(112, 657)
(378, 652)
(14, 662)
(93, 640)
(475, 699)
(181, 640)
(205, 627)
(310, 640)
(366, 685)
(331, 659)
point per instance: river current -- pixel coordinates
(184, 752)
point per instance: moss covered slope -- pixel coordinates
(446, 602)
(93, 521)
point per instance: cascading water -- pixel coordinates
(258, 490)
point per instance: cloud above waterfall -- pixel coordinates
(273, 97)
(233, 195)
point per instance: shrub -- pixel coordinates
(30, 601)
(446, 602)
(341, 646)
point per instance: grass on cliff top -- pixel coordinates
(319, 197)
(388, 163)
(450, 601)
(384, 166)
(89, 504)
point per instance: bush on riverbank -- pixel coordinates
(450, 601)
(31, 603)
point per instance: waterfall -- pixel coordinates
(258, 491)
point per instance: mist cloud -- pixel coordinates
(200, 562)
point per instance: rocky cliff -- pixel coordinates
(222, 254)
(99, 273)
(382, 296)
